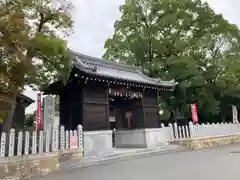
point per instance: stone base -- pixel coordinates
(206, 142)
(28, 166)
(96, 142)
(141, 138)
(70, 154)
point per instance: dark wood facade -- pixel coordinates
(19, 115)
(89, 105)
(87, 98)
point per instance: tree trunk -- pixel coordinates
(7, 123)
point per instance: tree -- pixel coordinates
(30, 119)
(32, 51)
(182, 40)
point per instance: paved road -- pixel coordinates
(208, 164)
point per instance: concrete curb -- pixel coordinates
(116, 157)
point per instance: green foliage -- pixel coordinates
(33, 47)
(182, 40)
(1, 120)
(30, 120)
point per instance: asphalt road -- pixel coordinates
(208, 164)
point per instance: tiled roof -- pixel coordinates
(110, 69)
(26, 99)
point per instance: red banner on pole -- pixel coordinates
(39, 111)
(194, 113)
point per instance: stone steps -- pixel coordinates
(119, 155)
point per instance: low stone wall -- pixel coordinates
(157, 136)
(135, 138)
(95, 142)
(206, 142)
(141, 138)
(26, 167)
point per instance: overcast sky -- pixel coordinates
(94, 19)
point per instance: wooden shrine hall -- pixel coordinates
(102, 95)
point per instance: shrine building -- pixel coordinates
(102, 95)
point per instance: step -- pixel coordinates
(122, 155)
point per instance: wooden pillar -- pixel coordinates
(107, 108)
(119, 118)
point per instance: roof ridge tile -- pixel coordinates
(115, 70)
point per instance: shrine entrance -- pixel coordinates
(125, 109)
(102, 95)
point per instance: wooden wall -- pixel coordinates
(150, 108)
(88, 105)
(71, 105)
(95, 107)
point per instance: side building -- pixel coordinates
(19, 115)
(22, 102)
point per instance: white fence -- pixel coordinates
(61, 140)
(38, 142)
(203, 130)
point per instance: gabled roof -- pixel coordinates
(110, 69)
(27, 100)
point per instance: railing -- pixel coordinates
(202, 130)
(37, 142)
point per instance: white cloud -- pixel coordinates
(94, 24)
(229, 9)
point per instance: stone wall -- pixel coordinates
(206, 142)
(27, 167)
(97, 142)
(141, 138)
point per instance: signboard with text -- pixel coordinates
(48, 112)
(112, 119)
(235, 114)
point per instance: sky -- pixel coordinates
(93, 24)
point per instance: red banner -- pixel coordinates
(194, 113)
(39, 111)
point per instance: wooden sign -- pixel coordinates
(112, 119)
(124, 93)
(48, 112)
